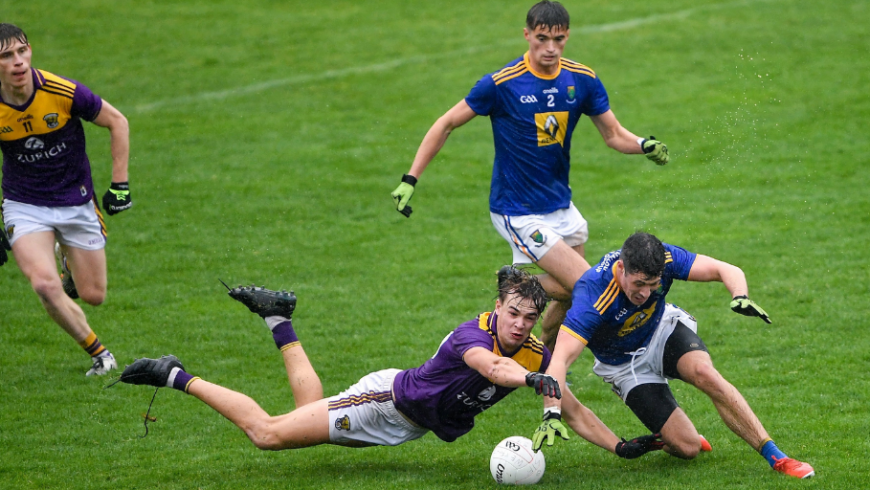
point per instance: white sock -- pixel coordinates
(172, 375)
(274, 321)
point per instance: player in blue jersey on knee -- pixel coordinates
(476, 366)
(640, 342)
(534, 103)
(49, 206)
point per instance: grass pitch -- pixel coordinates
(266, 137)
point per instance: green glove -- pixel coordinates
(745, 306)
(548, 430)
(655, 150)
(403, 194)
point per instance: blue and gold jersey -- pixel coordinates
(43, 143)
(602, 317)
(445, 394)
(533, 117)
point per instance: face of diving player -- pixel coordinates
(516, 318)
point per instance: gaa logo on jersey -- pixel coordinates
(51, 120)
(34, 143)
(343, 423)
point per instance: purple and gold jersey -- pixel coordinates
(602, 317)
(43, 143)
(533, 117)
(445, 394)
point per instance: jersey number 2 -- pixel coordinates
(550, 102)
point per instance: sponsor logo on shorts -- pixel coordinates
(51, 120)
(95, 241)
(10, 230)
(343, 423)
(539, 238)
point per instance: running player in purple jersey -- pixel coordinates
(477, 365)
(534, 104)
(48, 197)
(640, 342)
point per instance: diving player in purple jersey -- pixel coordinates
(477, 365)
(534, 103)
(48, 197)
(640, 342)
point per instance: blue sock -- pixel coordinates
(769, 450)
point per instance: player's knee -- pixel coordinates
(47, 287)
(92, 295)
(263, 436)
(684, 448)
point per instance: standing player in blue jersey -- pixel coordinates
(48, 196)
(640, 342)
(534, 103)
(476, 366)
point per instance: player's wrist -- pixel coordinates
(740, 296)
(640, 142)
(552, 413)
(409, 179)
(120, 186)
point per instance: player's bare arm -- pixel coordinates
(614, 135)
(437, 135)
(586, 424)
(707, 269)
(119, 129)
(503, 371)
(568, 349)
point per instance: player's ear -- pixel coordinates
(527, 34)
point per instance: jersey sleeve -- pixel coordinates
(467, 336)
(582, 318)
(545, 360)
(482, 97)
(86, 104)
(681, 261)
(597, 102)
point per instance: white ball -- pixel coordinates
(514, 463)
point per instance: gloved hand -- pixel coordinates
(745, 306)
(655, 150)
(551, 427)
(4, 244)
(544, 383)
(117, 198)
(403, 194)
(639, 446)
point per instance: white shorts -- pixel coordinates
(646, 365)
(533, 235)
(77, 226)
(364, 413)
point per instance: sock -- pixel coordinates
(180, 380)
(771, 453)
(283, 333)
(92, 345)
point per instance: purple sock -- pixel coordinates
(284, 335)
(181, 380)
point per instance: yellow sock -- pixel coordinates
(92, 345)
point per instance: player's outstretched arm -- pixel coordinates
(117, 198)
(503, 371)
(624, 141)
(432, 143)
(707, 269)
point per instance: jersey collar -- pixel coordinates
(541, 75)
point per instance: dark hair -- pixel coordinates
(548, 14)
(518, 281)
(9, 33)
(643, 253)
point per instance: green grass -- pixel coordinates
(266, 137)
